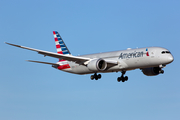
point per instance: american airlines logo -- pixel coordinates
(131, 55)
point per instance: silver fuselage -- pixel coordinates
(127, 60)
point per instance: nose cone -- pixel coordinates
(170, 59)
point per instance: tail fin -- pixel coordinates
(60, 45)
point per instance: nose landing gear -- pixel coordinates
(122, 78)
(160, 68)
(95, 76)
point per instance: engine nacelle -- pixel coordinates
(97, 65)
(153, 71)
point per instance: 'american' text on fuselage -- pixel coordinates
(131, 55)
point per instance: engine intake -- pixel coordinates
(97, 65)
(153, 71)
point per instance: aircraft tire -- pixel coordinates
(99, 76)
(92, 77)
(126, 78)
(162, 71)
(119, 79)
(96, 78)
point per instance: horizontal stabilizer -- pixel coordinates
(42, 62)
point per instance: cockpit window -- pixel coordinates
(163, 52)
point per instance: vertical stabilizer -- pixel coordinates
(61, 49)
(60, 45)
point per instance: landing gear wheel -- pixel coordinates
(119, 79)
(126, 78)
(162, 71)
(122, 78)
(95, 76)
(99, 76)
(92, 77)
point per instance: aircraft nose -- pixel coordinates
(170, 59)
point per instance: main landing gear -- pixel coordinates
(95, 76)
(122, 78)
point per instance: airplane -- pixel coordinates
(151, 60)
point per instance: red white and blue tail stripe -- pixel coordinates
(61, 49)
(60, 45)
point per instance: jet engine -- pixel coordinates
(97, 65)
(153, 71)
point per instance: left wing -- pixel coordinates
(79, 60)
(76, 59)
